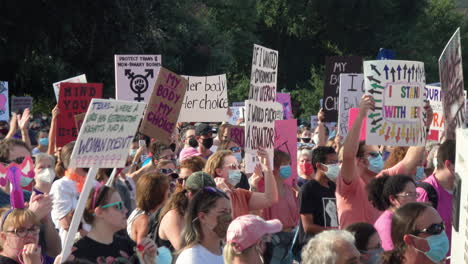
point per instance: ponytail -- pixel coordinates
(395, 256)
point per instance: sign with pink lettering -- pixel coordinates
(237, 134)
(398, 91)
(434, 95)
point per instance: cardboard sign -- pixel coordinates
(106, 134)
(451, 82)
(434, 95)
(205, 99)
(237, 112)
(264, 74)
(353, 113)
(351, 91)
(164, 106)
(260, 130)
(74, 99)
(398, 91)
(334, 66)
(79, 119)
(4, 112)
(135, 76)
(237, 134)
(19, 103)
(77, 79)
(285, 100)
(286, 141)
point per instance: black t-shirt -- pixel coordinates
(319, 201)
(6, 260)
(121, 250)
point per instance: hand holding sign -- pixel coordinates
(367, 103)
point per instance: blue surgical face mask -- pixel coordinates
(420, 173)
(285, 171)
(132, 153)
(238, 156)
(332, 171)
(164, 256)
(25, 181)
(375, 163)
(234, 177)
(44, 141)
(373, 256)
(438, 247)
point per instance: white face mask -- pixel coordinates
(333, 170)
(315, 138)
(46, 175)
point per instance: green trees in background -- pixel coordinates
(45, 41)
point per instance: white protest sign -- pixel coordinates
(237, 113)
(260, 130)
(434, 95)
(264, 74)
(135, 76)
(398, 91)
(351, 91)
(238, 104)
(4, 112)
(77, 79)
(19, 103)
(205, 99)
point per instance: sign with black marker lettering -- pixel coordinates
(351, 91)
(77, 79)
(264, 74)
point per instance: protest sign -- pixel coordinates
(334, 66)
(286, 141)
(237, 112)
(398, 89)
(451, 83)
(313, 122)
(352, 115)
(104, 141)
(19, 103)
(351, 91)
(205, 99)
(434, 95)
(385, 54)
(4, 112)
(77, 79)
(237, 134)
(260, 130)
(135, 76)
(264, 74)
(285, 100)
(238, 104)
(74, 99)
(79, 118)
(164, 106)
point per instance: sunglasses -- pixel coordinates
(181, 180)
(233, 166)
(216, 191)
(167, 171)
(17, 160)
(375, 154)
(236, 149)
(118, 205)
(433, 229)
(409, 194)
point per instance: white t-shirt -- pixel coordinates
(199, 255)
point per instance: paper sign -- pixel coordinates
(19, 103)
(106, 134)
(79, 119)
(260, 130)
(74, 99)
(351, 91)
(164, 106)
(205, 99)
(237, 112)
(334, 66)
(353, 113)
(451, 81)
(77, 79)
(434, 95)
(238, 104)
(285, 100)
(237, 134)
(4, 112)
(286, 141)
(264, 74)
(398, 91)
(135, 76)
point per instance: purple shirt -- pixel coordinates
(383, 225)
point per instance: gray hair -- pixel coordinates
(42, 156)
(307, 152)
(321, 249)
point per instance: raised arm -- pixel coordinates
(13, 126)
(270, 196)
(53, 130)
(321, 128)
(23, 124)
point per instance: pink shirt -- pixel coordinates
(286, 209)
(353, 203)
(383, 225)
(397, 169)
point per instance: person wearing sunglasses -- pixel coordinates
(106, 213)
(225, 170)
(367, 242)
(388, 193)
(19, 237)
(418, 234)
(168, 168)
(206, 223)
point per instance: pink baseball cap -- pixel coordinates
(246, 230)
(188, 152)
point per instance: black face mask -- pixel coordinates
(207, 143)
(306, 140)
(193, 142)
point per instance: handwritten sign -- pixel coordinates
(19, 103)
(77, 79)
(4, 112)
(351, 91)
(285, 100)
(237, 134)
(205, 99)
(135, 76)
(79, 119)
(264, 74)
(260, 130)
(164, 106)
(286, 141)
(334, 66)
(238, 112)
(398, 91)
(74, 99)
(235, 104)
(434, 95)
(451, 81)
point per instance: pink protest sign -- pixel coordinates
(286, 141)
(353, 113)
(285, 100)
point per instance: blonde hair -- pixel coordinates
(16, 218)
(216, 161)
(229, 253)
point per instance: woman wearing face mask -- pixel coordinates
(44, 172)
(42, 141)
(367, 241)
(246, 239)
(19, 237)
(306, 135)
(225, 169)
(236, 152)
(206, 222)
(418, 234)
(304, 166)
